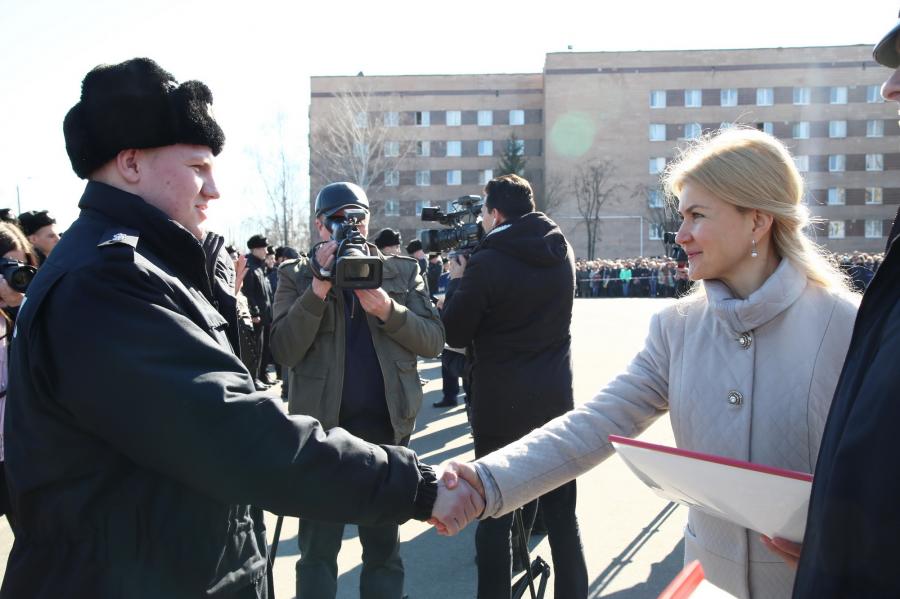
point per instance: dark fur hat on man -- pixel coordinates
(386, 238)
(136, 104)
(7, 216)
(33, 220)
(257, 241)
(413, 246)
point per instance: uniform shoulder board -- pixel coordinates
(119, 236)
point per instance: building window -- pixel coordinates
(423, 118)
(835, 229)
(728, 96)
(873, 195)
(658, 98)
(392, 207)
(655, 198)
(693, 98)
(801, 130)
(802, 163)
(391, 119)
(837, 163)
(454, 148)
(765, 96)
(362, 120)
(422, 204)
(657, 165)
(838, 95)
(656, 231)
(485, 175)
(874, 229)
(519, 147)
(766, 127)
(657, 132)
(454, 118)
(692, 130)
(516, 117)
(360, 149)
(423, 148)
(391, 149)
(801, 96)
(837, 128)
(837, 196)
(725, 125)
(485, 118)
(454, 177)
(485, 147)
(875, 128)
(874, 162)
(423, 178)
(391, 178)
(873, 94)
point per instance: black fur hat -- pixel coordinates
(386, 238)
(136, 104)
(257, 241)
(33, 220)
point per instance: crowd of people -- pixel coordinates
(150, 480)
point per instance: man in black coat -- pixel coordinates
(139, 483)
(259, 295)
(511, 304)
(852, 535)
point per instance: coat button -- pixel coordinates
(745, 340)
(735, 398)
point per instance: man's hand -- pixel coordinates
(325, 259)
(9, 297)
(240, 271)
(455, 508)
(452, 471)
(457, 266)
(788, 551)
(375, 302)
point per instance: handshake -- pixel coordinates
(460, 498)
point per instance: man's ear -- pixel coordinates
(129, 165)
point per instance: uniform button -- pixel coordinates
(735, 398)
(745, 340)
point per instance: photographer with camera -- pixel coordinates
(511, 304)
(349, 322)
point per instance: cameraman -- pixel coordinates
(512, 305)
(352, 359)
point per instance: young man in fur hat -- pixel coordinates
(139, 483)
(40, 229)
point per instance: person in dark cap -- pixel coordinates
(40, 229)
(388, 241)
(258, 291)
(7, 216)
(352, 357)
(150, 481)
(851, 541)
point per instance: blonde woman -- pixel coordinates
(745, 365)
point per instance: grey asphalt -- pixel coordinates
(632, 538)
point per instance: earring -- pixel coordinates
(753, 252)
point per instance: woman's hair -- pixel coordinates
(752, 170)
(12, 238)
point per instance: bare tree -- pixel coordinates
(553, 196)
(592, 186)
(358, 141)
(663, 211)
(286, 222)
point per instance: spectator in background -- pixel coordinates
(7, 216)
(433, 274)
(388, 241)
(40, 229)
(414, 250)
(259, 298)
(625, 278)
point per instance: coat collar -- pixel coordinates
(776, 295)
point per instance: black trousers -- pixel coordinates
(493, 546)
(453, 366)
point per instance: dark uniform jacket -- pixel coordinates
(513, 305)
(852, 538)
(139, 439)
(258, 290)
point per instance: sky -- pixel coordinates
(257, 57)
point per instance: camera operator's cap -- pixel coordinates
(885, 51)
(33, 220)
(136, 104)
(337, 196)
(257, 241)
(386, 238)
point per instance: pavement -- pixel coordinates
(632, 539)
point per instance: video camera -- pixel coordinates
(673, 250)
(353, 267)
(17, 274)
(465, 227)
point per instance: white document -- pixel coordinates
(765, 499)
